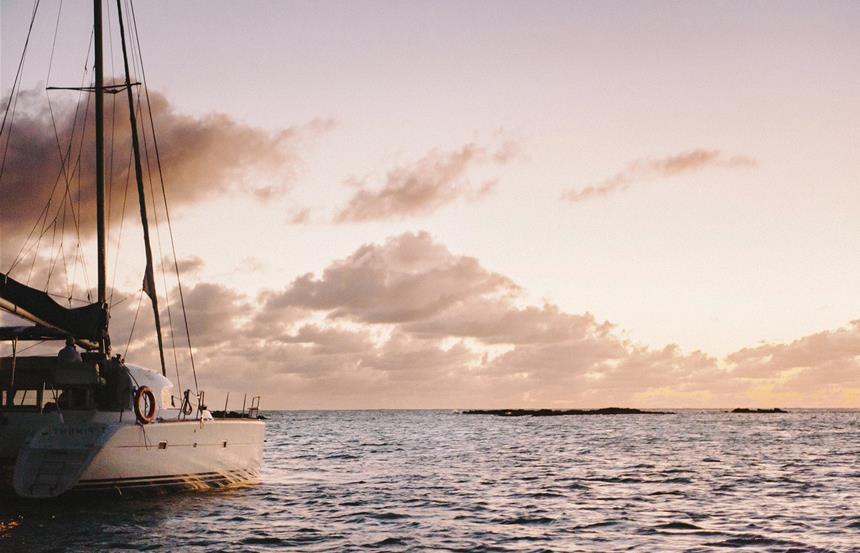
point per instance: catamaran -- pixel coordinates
(100, 423)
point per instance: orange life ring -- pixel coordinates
(148, 402)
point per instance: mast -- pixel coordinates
(100, 167)
(149, 278)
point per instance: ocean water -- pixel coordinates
(442, 481)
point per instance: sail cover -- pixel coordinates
(84, 323)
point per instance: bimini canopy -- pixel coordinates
(88, 324)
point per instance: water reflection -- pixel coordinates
(336, 481)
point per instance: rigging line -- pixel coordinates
(90, 48)
(53, 120)
(61, 296)
(70, 282)
(112, 142)
(77, 221)
(61, 252)
(43, 214)
(158, 242)
(69, 287)
(149, 285)
(43, 218)
(110, 47)
(61, 249)
(78, 168)
(121, 224)
(60, 151)
(67, 197)
(110, 171)
(16, 82)
(164, 197)
(53, 259)
(139, 109)
(112, 127)
(28, 246)
(36, 248)
(80, 165)
(160, 253)
(122, 300)
(39, 343)
(66, 158)
(38, 241)
(13, 96)
(24, 251)
(64, 173)
(47, 206)
(54, 44)
(133, 323)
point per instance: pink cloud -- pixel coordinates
(408, 323)
(430, 183)
(649, 169)
(203, 157)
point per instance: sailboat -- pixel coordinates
(100, 423)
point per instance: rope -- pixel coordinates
(39, 343)
(112, 131)
(164, 197)
(121, 224)
(133, 324)
(13, 97)
(63, 173)
(158, 244)
(54, 44)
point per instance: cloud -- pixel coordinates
(417, 313)
(440, 319)
(191, 265)
(214, 312)
(404, 357)
(828, 357)
(649, 169)
(202, 156)
(408, 323)
(328, 341)
(409, 278)
(299, 216)
(499, 321)
(430, 183)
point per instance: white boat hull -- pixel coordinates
(123, 457)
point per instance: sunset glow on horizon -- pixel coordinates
(490, 204)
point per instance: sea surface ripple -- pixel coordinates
(696, 481)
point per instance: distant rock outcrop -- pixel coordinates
(562, 412)
(234, 415)
(745, 410)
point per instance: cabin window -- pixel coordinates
(25, 399)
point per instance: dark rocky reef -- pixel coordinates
(562, 412)
(745, 410)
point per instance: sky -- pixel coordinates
(489, 204)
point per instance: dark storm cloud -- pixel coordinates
(202, 156)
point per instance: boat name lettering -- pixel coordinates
(75, 431)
